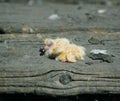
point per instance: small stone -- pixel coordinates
(103, 57)
(101, 11)
(54, 17)
(31, 31)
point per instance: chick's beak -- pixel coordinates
(46, 47)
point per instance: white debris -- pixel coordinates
(53, 17)
(31, 30)
(100, 11)
(97, 51)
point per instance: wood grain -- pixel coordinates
(22, 70)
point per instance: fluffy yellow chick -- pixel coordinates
(61, 49)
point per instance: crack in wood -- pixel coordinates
(37, 75)
(64, 88)
(111, 77)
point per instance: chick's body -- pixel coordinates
(64, 51)
(71, 53)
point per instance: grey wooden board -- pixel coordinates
(13, 17)
(22, 70)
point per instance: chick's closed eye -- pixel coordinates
(48, 42)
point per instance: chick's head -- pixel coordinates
(59, 45)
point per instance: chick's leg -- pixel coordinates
(61, 57)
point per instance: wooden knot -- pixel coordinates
(65, 79)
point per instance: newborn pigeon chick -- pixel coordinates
(61, 49)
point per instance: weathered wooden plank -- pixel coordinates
(78, 18)
(22, 70)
